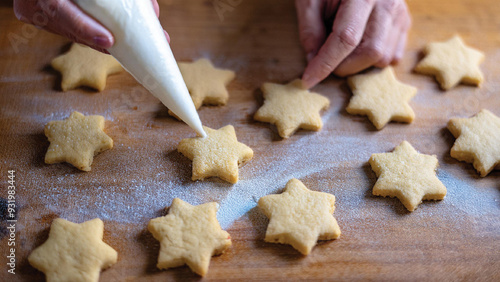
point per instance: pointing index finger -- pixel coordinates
(348, 28)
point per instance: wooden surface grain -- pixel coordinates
(454, 239)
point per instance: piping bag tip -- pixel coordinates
(202, 133)
(191, 118)
(199, 130)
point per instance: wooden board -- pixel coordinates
(454, 239)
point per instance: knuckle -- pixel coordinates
(349, 37)
(403, 22)
(391, 6)
(374, 51)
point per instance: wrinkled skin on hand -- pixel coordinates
(344, 37)
(65, 18)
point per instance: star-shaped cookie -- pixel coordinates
(73, 252)
(206, 84)
(452, 62)
(84, 66)
(219, 154)
(189, 235)
(299, 217)
(407, 175)
(76, 140)
(291, 107)
(381, 97)
(478, 141)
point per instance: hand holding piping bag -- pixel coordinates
(134, 36)
(65, 18)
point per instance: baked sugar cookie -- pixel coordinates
(189, 235)
(478, 141)
(206, 83)
(291, 107)
(299, 217)
(84, 66)
(452, 62)
(407, 175)
(381, 97)
(219, 154)
(73, 252)
(76, 140)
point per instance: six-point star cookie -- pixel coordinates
(189, 235)
(452, 62)
(206, 84)
(299, 217)
(290, 107)
(76, 140)
(407, 175)
(73, 252)
(84, 66)
(478, 141)
(219, 154)
(381, 97)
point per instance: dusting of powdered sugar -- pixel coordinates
(143, 173)
(332, 156)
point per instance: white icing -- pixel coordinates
(142, 49)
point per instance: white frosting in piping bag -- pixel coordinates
(142, 49)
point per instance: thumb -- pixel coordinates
(312, 31)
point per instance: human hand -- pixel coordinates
(65, 18)
(347, 36)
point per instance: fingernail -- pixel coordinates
(103, 42)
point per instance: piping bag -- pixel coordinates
(142, 49)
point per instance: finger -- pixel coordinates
(348, 28)
(390, 48)
(399, 25)
(156, 7)
(372, 47)
(400, 49)
(70, 21)
(56, 30)
(312, 31)
(402, 22)
(167, 36)
(24, 10)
